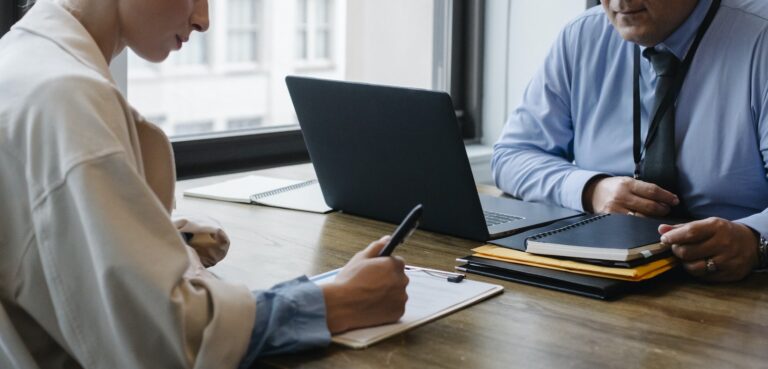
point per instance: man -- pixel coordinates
(582, 130)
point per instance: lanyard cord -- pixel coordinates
(638, 149)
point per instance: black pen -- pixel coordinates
(405, 229)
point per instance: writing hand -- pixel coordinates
(369, 290)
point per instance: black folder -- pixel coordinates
(579, 284)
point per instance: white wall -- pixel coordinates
(518, 34)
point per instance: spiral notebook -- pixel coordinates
(275, 192)
(615, 237)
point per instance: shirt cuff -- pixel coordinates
(290, 317)
(758, 222)
(574, 186)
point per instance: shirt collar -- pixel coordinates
(682, 38)
(50, 20)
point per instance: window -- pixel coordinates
(190, 128)
(313, 30)
(195, 52)
(225, 90)
(243, 23)
(232, 77)
(244, 123)
(158, 120)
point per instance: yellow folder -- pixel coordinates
(636, 274)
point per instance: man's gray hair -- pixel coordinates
(27, 4)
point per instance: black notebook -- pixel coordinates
(615, 237)
(584, 285)
(517, 242)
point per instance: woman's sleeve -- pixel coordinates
(290, 317)
(121, 282)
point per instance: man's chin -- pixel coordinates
(638, 36)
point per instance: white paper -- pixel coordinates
(429, 297)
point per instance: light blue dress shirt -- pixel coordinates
(575, 121)
(289, 317)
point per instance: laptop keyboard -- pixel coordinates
(494, 219)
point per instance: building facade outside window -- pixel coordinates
(244, 123)
(232, 78)
(313, 31)
(195, 53)
(243, 30)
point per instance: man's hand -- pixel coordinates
(627, 196)
(732, 248)
(369, 290)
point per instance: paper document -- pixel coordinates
(430, 296)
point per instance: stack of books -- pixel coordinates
(599, 256)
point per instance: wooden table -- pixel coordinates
(680, 323)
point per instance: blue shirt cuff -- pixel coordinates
(758, 222)
(574, 186)
(290, 317)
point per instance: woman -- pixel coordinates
(93, 272)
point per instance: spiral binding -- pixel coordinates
(565, 228)
(280, 190)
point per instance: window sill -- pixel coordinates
(204, 155)
(480, 161)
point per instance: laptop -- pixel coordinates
(379, 150)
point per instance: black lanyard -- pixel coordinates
(670, 98)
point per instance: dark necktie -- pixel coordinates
(659, 165)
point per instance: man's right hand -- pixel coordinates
(627, 196)
(369, 290)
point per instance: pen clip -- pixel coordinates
(449, 276)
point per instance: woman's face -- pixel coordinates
(152, 28)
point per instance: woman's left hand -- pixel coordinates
(713, 249)
(209, 241)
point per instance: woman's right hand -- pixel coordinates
(369, 290)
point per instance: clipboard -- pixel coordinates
(430, 297)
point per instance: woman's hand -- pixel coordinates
(369, 290)
(205, 236)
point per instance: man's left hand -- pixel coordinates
(713, 249)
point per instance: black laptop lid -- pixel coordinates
(378, 151)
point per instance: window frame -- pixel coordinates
(10, 12)
(226, 152)
(309, 29)
(255, 29)
(466, 67)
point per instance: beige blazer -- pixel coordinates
(93, 272)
